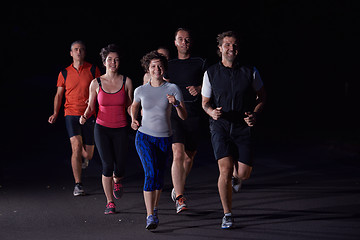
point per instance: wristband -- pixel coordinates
(176, 104)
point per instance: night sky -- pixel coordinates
(304, 51)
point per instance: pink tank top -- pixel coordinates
(112, 107)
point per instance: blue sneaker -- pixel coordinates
(156, 219)
(150, 222)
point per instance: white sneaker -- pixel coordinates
(78, 190)
(85, 164)
(236, 184)
(173, 195)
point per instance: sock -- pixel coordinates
(228, 214)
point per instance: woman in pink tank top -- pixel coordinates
(114, 94)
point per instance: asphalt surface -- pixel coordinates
(299, 189)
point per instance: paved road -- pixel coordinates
(298, 190)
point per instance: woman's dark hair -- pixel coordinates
(145, 61)
(108, 49)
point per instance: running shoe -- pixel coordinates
(227, 222)
(180, 204)
(156, 219)
(150, 222)
(118, 190)
(110, 208)
(85, 163)
(173, 195)
(236, 184)
(78, 190)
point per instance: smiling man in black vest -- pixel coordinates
(232, 95)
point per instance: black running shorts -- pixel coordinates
(74, 128)
(231, 140)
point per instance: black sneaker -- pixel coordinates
(110, 208)
(118, 190)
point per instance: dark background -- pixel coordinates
(305, 51)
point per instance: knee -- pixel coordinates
(179, 155)
(149, 183)
(226, 172)
(107, 171)
(178, 152)
(76, 144)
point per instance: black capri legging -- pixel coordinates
(112, 145)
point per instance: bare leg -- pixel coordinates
(108, 188)
(149, 197)
(76, 146)
(224, 183)
(189, 160)
(178, 173)
(157, 197)
(88, 152)
(242, 171)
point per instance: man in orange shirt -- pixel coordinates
(74, 81)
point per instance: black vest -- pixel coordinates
(232, 90)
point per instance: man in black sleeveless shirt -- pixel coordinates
(232, 95)
(186, 72)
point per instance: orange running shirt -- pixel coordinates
(77, 88)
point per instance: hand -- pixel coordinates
(135, 124)
(194, 91)
(250, 119)
(82, 120)
(216, 113)
(52, 118)
(171, 98)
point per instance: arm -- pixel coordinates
(134, 114)
(214, 113)
(260, 103)
(57, 104)
(93, 90)
(180, 106)
(130, 94)
(194, 90)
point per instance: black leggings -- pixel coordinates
(112, 144)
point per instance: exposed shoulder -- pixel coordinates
(94, 83)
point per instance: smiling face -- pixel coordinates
(229, 49)
(112, 62)
(156, 69)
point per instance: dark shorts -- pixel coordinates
(234, 141)
(186, 132)
(86, 131)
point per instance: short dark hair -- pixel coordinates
(220, 37)
(108, 49)
(182, 29)
(145, 61)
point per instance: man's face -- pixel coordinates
(229, 49)
(182, 41)
(78, 52)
